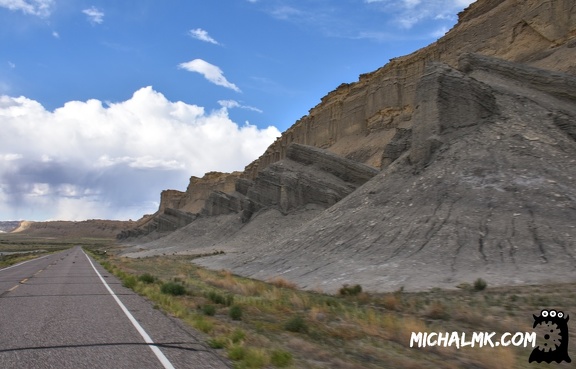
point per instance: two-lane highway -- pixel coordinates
(65, 311)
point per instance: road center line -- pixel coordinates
(163, 359)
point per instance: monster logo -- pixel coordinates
(552, 337)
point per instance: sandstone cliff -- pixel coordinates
(369, 121)
(178, 208)
(486, 189)
(462, 157)
(356, 118)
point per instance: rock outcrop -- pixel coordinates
(486, 189)
(536, 32)
(308, 175)
(178, 208)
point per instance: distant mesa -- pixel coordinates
(89, 228)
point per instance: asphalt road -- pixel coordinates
(57, 312)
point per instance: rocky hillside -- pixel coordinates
(94, 228)
(452, 163)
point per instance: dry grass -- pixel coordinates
(391, 301)
(361, 331)
(282, 283)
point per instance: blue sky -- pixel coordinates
(105, 103)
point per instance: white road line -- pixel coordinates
(24, 262)
(163, 359)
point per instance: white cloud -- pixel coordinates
(40, 8)
(95, 16)
(55, 34)
(408, 13)
(286, 12)
(86, 160)
(211, 72)
(231, 104)
(202, 35)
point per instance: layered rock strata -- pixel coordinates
(486, 189)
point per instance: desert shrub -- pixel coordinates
(391, 301)
(171, 288)
(236, 352)
(238, 336)
(282, 283)
(347, 290)
(209, 310)
(280, 358)
(254, 358)
(147, 278)
(217, 343)
(129, 281)
(480, 284)
(202, 324)
(217, 298)
(437, 310)
(235, 312)
(296, 324)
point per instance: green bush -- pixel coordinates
(236, 312)
(280, 358)
(296, 324)
(129, 281)
(171, 288)
(254, 358)
(217, 343)
(238, 336)
(209, 310)
(202, 324)
(217, 298)
(347, 290)
(147, 278)
(480, 284)
(236, 353)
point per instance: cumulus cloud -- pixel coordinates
(211, 72)
(94, 160)
(40, 8)
(95, 16)
(408, 13)
(202, 35)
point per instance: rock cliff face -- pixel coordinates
(486, 189)
(537, 32)
(178, 208)
(452, 163)
(308, 175)
(370, 120)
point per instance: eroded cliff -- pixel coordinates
(356, 118)
(466, 150)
